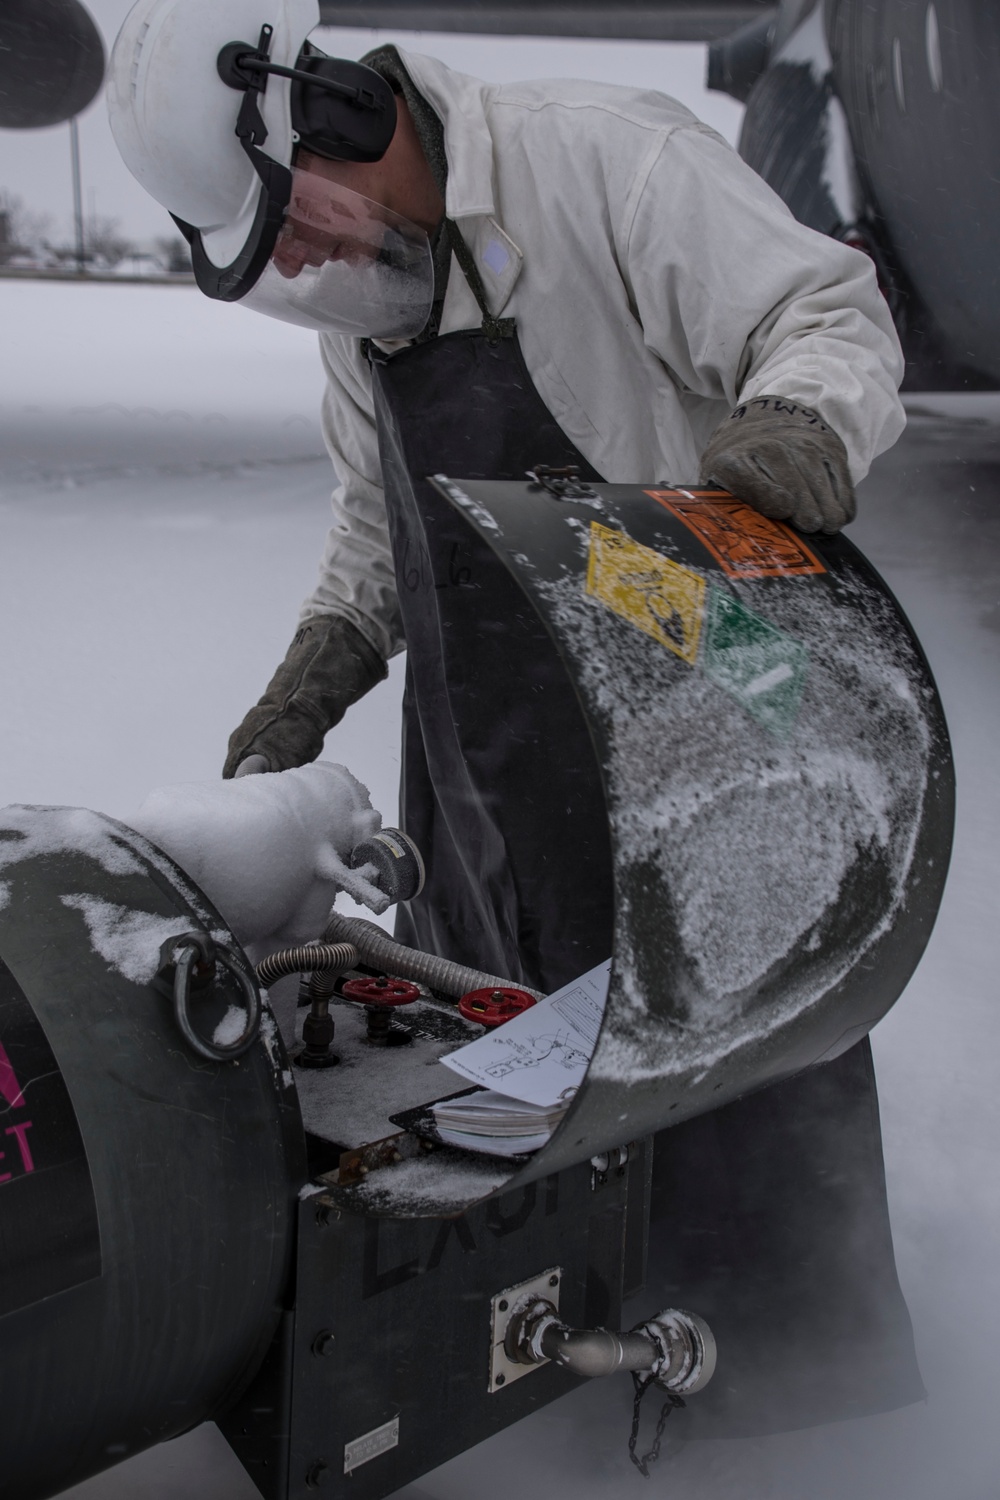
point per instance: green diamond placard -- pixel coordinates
(756, 663)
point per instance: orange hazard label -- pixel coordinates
(744, 543)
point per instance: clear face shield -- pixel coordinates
(343, 264)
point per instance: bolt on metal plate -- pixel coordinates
(504, 1371)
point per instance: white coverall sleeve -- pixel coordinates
(357, 577)
(739, 300)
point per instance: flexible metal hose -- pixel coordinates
(379, 951)
(309, 958)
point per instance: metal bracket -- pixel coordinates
(565, 484)
(605, 1162)
(503, 1308)
(356, 1163)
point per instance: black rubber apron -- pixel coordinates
(770, 1214)
(500, 786)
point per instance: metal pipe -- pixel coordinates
(378, 950)
(677, 1348)
(597, 1351)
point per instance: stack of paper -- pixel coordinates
(528, 1070)
(488, 1121)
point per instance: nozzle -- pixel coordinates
(397, 860)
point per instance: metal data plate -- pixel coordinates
(505, 1304)
(778, 782)
(371, 1445)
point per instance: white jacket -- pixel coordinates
(656, 281)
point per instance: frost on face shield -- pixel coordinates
(343, 264)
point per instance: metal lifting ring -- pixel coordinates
(199, 947)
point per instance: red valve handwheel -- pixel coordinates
(372, 991)
(493, 1007)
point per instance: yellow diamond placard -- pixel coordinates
(657, 595)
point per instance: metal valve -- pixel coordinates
(380, 996)
(677, 1348)
(493, 1007)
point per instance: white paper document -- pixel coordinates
(540, 1056)
(492, 1122)
(494, 1145)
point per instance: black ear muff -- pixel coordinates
(348, 114)
(339, 109)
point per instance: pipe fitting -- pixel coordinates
(677, 1348)
(688, 1351)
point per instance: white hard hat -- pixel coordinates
(196, 90)
(174, 120)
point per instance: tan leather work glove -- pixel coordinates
(783, 459)
(329, 666)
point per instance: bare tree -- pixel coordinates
(174, 253)
(22, 230)
(104, 241)
(104, 245)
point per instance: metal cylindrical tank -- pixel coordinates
(145, 1191)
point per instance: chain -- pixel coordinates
(642, 1384)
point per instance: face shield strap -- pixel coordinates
(240, 66)
(230, 283)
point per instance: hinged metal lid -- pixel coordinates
(778, 781)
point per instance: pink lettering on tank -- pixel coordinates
(21, 1131)
(10, 1089)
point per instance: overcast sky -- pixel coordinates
(34, 164)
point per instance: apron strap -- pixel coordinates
(494, 328)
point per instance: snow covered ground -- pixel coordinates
(165, 492)
(162, 506)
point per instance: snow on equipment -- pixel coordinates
(777, 775)
(146, 1239)
(192, 1228)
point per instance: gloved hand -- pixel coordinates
(329, 666)
(782, 458)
